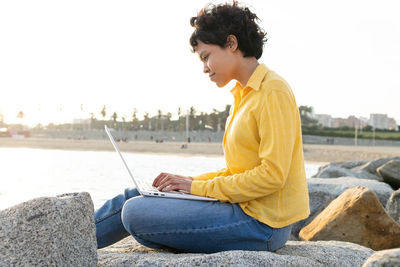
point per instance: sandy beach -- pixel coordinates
(313, 153)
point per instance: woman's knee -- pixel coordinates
(136, 214)
(134, 218)
(129, 213)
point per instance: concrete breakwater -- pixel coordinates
(353, 222)
(195, 136)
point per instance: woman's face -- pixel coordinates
(219, 63)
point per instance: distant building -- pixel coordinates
(324, 119)
(382, 121)
(378, 121)
(350, 122)
(80, 121)
(364, 121)
(392, 124)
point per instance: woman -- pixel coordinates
(262, 190)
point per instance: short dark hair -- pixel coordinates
(214, 23)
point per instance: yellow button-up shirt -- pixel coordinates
(263, 153)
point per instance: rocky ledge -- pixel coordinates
(354, 221)
(295, 253)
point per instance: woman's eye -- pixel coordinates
(205, 58)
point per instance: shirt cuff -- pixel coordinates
(204, 176)
(197, 187)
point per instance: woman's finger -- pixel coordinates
(167, 184)
(164, 178)
(175, 187)
(163, 183)
(157, 178)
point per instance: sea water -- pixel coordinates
(27, 173)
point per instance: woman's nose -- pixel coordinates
(206, 69)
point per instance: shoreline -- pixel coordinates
(313, 154)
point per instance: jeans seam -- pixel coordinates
(195, 229)
(108, 215)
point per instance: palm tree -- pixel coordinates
(92, 117)
(103, 112)
(114, 117)
(202, 121)
(20, 114)
(306, 116)
(123, 123)
(146, 120)
(192, 116)
(224, 115)
(169, 116)
(134, 119)
(181, 121)
(92, 120)
(169, 124)
(159, 120)
(213, 119)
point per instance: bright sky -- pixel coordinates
(341, 57)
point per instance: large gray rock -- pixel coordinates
(359, 169)
(296, 253)
(387, 258)
(328, 253)
(350, 164)
(393, 206)
(49, 231)
(226, 258)
(333, 171)
(322, 191)
(373, 165)
(390, 172)
(336, 186)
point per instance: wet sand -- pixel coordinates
(213, 149)
(312, 153)
(329, 153)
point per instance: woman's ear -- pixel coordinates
(231, 42)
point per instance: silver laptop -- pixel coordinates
(145, 187)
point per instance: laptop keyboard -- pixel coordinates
(146, 185)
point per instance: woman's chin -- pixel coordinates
(220, 84)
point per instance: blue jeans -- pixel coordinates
(185, 225)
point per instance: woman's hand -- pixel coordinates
(168, 182)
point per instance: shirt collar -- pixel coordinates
(255, 79)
